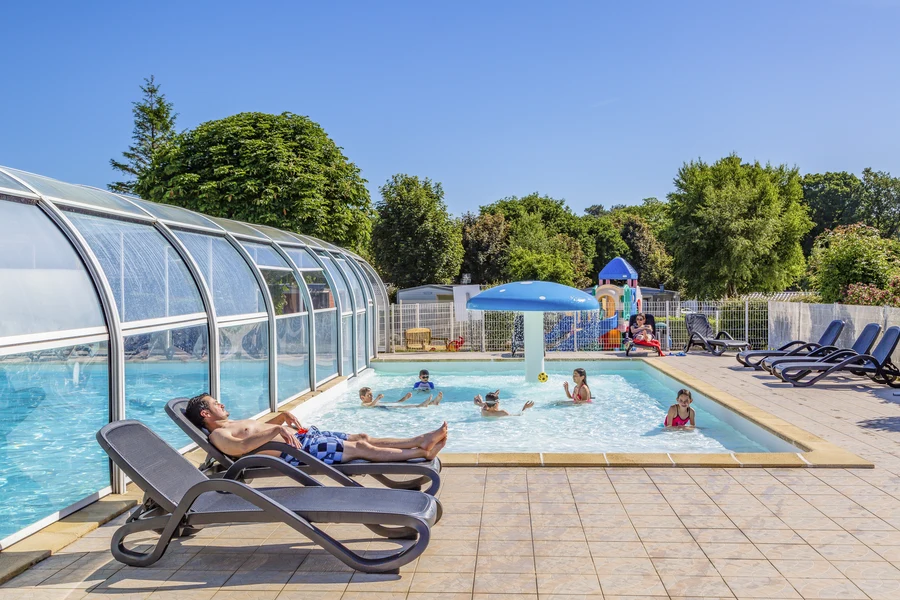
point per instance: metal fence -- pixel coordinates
(435, 326)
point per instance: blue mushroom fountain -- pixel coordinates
(533, 298)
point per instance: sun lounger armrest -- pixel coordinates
(861, 359)
(237, 488)
(724, 334)
(838, 355)
(823, 350)
(401, 468)
(789, 345)
(808, 347)
(312, 463)
(270, 462)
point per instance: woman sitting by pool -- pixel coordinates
(582, 393)
(490, 406)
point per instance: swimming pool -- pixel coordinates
(631, 400)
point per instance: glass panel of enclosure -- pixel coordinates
(76, 193)
(302, 258)
(147, 276)
(293, 356)
(276, 234)
(175, 214)
(264, 255)
(52, 402)
(355, 284)
(339, 283)
(244, 368)
(326, 344)
(238, 228)
(361, 341)
(233, 285)
(11, 184)
(381, 305)
(347, 348)
(319, 290)
(285, 291)
(44, 286)
(160, 366)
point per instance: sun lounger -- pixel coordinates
(183, 497)
(630, 342)
(754, 358)
(862, 345)
(877, 366)
(700, 333)
(423, 472)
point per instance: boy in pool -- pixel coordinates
(681, 414)
(365, 396)
(423, 385)
(490, 406)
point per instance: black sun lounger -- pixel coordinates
(877, 366)
(754, 358)
(423, 472)
(184, 498)
(700, 333)
(862, 345)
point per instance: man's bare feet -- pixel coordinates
(433, 437)
(433, 451)
(437, 399)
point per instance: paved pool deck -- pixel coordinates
(580, 532)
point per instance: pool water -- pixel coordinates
(626, 415)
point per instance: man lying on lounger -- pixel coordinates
(236, 438)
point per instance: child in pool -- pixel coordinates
(423, 385)
(582, 393)
(367, 399)
(490, 406)
(681, 414)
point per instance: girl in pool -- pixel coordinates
(681, 414)
(582, 393)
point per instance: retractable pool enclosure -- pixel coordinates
(111, 305)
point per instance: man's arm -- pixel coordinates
(227, 442)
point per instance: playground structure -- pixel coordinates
(604, 329)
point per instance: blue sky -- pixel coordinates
(587, 101)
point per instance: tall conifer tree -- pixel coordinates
(154, 126)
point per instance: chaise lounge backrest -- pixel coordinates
(866, 338)
(149, 461)
(698, 323)
(887, 345)
(831, 333)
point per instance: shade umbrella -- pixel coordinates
(533, 298)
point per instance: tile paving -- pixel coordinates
(578, 533)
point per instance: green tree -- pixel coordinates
(537, 253)
(653, 211)
(879, 204)
(607, 242)
(737, 227)
(485, 240)
(154, 126)
(646, 253)
(596, 210)
(278, 170)
(852, 254)
(553, 216)
(833, 200)
(414, 239)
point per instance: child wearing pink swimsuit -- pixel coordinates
(681, 414)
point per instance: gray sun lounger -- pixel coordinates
(863, 344)
(417, 473)
(700, 333)
(796, 348)
(183, 498)
(877, 366)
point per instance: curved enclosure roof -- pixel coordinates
(111, 305)
(618, 268)
(541, 296)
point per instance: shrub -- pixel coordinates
(867, 294)
(854, 254)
